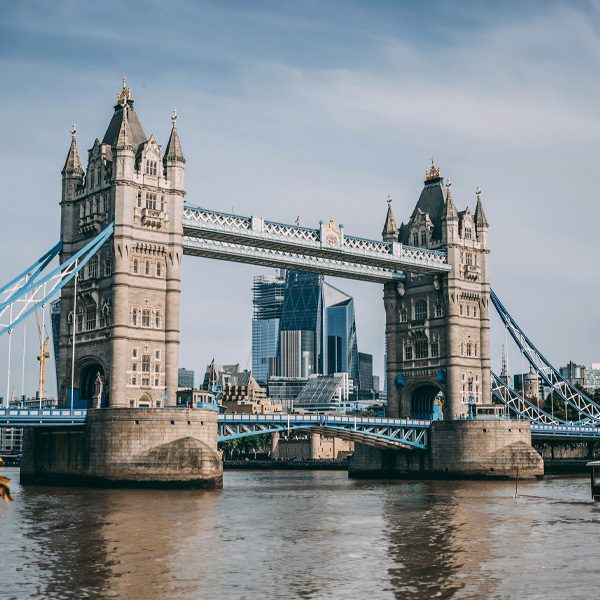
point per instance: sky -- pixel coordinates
(321, 109)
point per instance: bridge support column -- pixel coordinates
(476, 449)
(121, 447)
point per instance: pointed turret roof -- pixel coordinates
(124, 138)
(124, 106)
(173, 151)
(73, 163)
(450, 213)
(390, 229)
(480, 218)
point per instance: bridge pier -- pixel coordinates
(477, 449)
(127, 448)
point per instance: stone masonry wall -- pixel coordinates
(168, 447)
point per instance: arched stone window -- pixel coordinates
(403, 315)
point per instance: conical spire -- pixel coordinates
(173, 152)
(73, 163)
(480, 218)
(390, 230)
(450, 212)
(124, 138)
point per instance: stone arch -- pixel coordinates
(91, 383)
(144, 401)
(424, 400)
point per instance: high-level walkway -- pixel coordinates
(326, 250)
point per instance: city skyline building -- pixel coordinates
(186, 378)
(268, 294)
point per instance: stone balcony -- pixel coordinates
(153, 218)
(91, 225)
(472, 272)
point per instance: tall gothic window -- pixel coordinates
(135, 265)
(151, 200)
(158, 268)
(415, 239)
(408, 352)
(435, 349)
(146, 317)
(157, 319)
(146, 369)
(151, 167)
(90, 317)
(423, 238)
(134, 316)
(439, 310)
(403, 315)
(421, 349)
(468, 233)
(93, 267)
(420, 310)
(147, 268)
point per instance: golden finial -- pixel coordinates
(125, 94)
(434, 172)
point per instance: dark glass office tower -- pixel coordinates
(300, 329)
(340, 325)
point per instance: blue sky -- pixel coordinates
(319, 109)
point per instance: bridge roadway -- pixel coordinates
(373, 431)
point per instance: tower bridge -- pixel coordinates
(124, 231)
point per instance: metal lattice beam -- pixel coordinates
(585, 407)
(279, 259)
(519, 406)
(35, 290)
(328, 242)
(386, 433)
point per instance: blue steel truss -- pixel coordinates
(31, 289)
(325, 250)
(385, 433)
(585, 407)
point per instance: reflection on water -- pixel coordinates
(303, 535)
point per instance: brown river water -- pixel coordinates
(303, 534)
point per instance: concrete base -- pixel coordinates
(127, 447)
(474, 449)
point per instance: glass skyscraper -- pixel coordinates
(268, 303)
(302, 326)
(340, 325)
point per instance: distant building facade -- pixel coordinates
(592, 377)
(186, 378)
(574, 373)
(365, 379)
(268, 294)
(302, 326)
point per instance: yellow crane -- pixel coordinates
(44, 354)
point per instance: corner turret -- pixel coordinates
(390, 229)
(174, 161)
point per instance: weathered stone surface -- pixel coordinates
(120, 446)
(457, 449)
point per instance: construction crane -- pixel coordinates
(44, 354)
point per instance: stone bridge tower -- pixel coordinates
(437, 327)
(126, 313)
